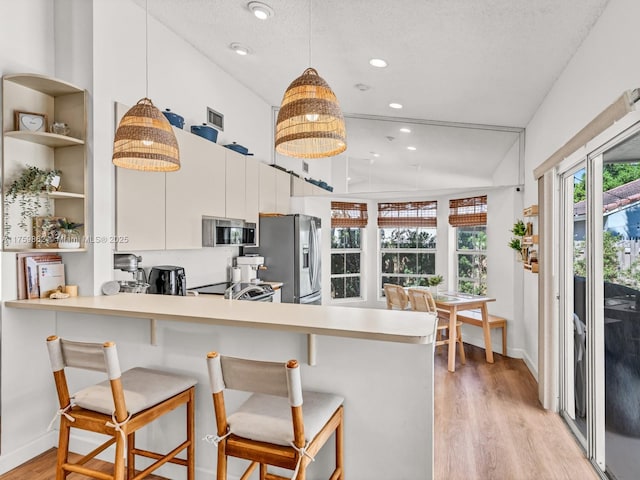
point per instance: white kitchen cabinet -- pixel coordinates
(252, 193)
(45, 100)
(235, 185)
(192, 191)
(283, 191)
(140, 210)
(163, 211)
(301, 188)
(267, 194)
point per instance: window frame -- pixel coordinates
(477, 285)
(344, 251)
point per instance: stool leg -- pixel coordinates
(118, 464)
(504, 340)
(340, 445)
(263, 471)
(191, 434)
(63, 448)
(463, 357)
(222, 461)
(131, 459)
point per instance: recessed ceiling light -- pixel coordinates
(411, 148)
(395, 105)
(405, 130)
(377, 62)
(240, 49)
(375, 154)
(260, 10)
(362, 87)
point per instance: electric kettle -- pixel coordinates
(167, 280)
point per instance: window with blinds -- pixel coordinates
(469, 216)
(348, 219)
(468, 211)
(407, 241)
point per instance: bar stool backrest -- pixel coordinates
(421, 300)
(396, 296)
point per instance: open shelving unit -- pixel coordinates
(60, 102)
(530, 240)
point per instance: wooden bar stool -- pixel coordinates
(396, 296)
(117, 408)
(273, 427)
(421, 300)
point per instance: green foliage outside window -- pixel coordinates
(345, 262)
(471, 243)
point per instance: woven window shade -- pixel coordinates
(408, 214)
(349, 215)
(310, 122)
(145, 140)
(468, 212)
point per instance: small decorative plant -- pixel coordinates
(27, 190)
(69, 236)
(66, 225)
(519, 230)
(435, 280)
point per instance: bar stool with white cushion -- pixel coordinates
(117, 407)
(279, 424)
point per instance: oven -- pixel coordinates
(254, 292)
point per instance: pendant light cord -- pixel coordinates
(146, 47)
(310, 64)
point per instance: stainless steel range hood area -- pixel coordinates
(227, 232)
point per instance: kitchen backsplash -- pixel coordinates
(208, 265)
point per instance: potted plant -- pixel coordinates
(434, 282)
(68, 236)
(27, 190)
(519, 230)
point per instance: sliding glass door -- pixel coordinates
(600, 303)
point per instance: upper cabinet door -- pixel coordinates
(236, 185)
(283, 192)
(267, 189)
(252, 194)
(140, 210)
(189, 192)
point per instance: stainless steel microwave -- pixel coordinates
(226, 232)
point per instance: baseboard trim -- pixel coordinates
(25, 453)
(533, 368)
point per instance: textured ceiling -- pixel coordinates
(472, 61)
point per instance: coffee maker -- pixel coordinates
(249, 266)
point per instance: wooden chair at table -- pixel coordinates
(118, 408)
(396, 296)
(421, 300)
(269, 428)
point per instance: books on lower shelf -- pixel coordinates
(39, 274)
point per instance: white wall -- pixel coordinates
(603, 67)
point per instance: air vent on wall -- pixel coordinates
(215, 119)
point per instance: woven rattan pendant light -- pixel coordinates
(144, 139)
(310, 122)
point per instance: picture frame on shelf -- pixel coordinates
(46, 231)
(30, 121)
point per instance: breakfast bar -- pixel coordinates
(380, 361)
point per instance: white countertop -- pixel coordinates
(365, 323)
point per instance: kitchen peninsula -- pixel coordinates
(381, 361)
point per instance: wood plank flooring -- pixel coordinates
(43, 467)
(489, 425)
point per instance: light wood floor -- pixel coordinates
(489, 425)
(43, 467)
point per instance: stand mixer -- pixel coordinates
(128, 262)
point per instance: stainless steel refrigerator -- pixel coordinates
(290, 245)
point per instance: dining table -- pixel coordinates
(454, 302)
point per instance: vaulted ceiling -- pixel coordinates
(488, 62)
